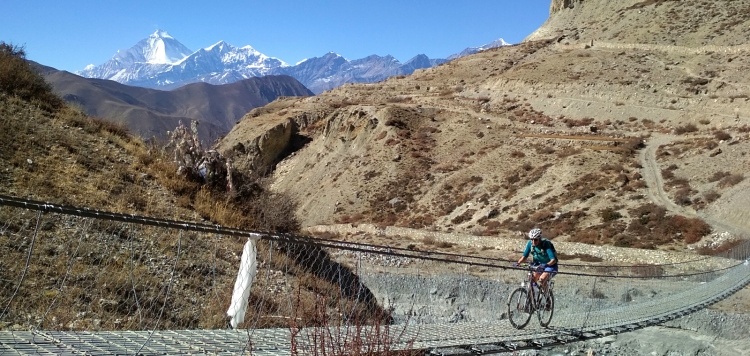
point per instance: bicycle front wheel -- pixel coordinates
(519, 308)
(546, 309)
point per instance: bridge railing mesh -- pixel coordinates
(76, 270)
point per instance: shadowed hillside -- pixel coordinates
(151, 113)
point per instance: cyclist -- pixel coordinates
(543, 254)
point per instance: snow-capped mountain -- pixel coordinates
(162, 62)
(150, 55)
(471, 50)
(332, 70)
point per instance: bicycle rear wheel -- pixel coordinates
(546, 309)
(519, 308)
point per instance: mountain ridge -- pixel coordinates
(152, 113)
(222, 63)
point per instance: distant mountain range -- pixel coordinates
(159, 82)
(162, 62)
(151, 113)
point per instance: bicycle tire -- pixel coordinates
(546, 309)
(520, 308)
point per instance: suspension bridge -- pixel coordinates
(81, 281)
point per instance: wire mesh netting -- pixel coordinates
(116, 283)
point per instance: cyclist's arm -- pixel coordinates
(552, 257)
(526, 253)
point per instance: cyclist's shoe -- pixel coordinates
(548, 306)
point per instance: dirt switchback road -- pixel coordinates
(653, 178)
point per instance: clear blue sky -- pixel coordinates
(70, 34)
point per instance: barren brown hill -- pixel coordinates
(622, 123)
(151, 113)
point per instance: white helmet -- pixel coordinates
(535, 233)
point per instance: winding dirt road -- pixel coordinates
(652, 176)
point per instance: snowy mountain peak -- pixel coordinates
(497, 43)
(160, 61)
(160, 34)
(221, 45)
(161, 48)
(471, 50)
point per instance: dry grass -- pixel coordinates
(65, 157)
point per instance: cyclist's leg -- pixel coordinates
(546, 276)
(537, 276)
(543, 278)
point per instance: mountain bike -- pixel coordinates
(528, 298)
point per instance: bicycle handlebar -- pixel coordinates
(529, 266)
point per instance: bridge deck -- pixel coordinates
(474, 337)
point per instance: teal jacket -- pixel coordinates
(543, 253)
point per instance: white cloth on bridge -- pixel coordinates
(245, 278)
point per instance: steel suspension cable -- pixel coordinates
(280, 237)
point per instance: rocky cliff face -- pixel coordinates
(558, 5)
(656, 22)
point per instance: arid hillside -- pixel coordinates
(621, 123)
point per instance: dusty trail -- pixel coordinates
(656, 193)
(652, 176)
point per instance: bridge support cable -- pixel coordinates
(96, 282)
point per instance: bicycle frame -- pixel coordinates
(528, 299)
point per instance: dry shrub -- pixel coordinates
(214, 208)
(491, 227)
(717, 176)
(578, 122)
(350, 219)
(568, 151)
(96, 125)
(465, 216)
(544, 149)
(541, 216)
(18, 78)
(648, 215)
(166, 173)
(692, 229)
(421, 221)
(682, 196)
(587, 236)
(722, 135)
(729, 248)
(711, 196)
(609, 214)
(731, 180)
(687, 128)
(613, 167)
(444, 244)
(360, 335)
(667, 174)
